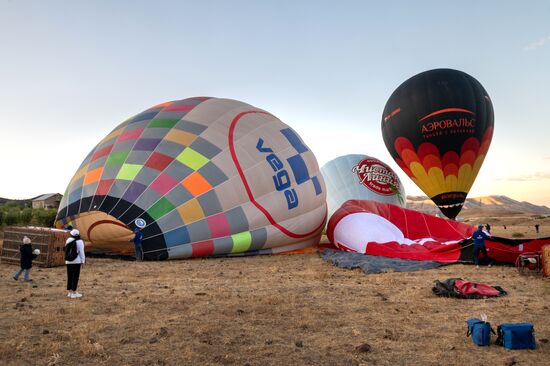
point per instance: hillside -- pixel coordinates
(495, 205)
(24, 202)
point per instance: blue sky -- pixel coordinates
(70, 71)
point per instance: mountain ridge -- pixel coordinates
(500, 203)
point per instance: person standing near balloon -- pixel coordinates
(73, 266)
(137, 239)
(27, 256)
(479, 237)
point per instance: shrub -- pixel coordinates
(44, 217)
(517, 235)
(26, 216)
(12, 217)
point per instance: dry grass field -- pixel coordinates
(266, 310)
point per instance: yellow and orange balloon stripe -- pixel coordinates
(436, 174)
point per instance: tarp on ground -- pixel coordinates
(375, 264)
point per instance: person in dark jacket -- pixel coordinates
(479, 237)
(26, 260)
(138, 237)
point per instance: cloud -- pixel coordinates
(529, 177)
(537, 44)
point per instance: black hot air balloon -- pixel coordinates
(438, 126)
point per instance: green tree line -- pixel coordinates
(13, 214)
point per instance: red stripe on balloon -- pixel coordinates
(101, 222)
(266, 213)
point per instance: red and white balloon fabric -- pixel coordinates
(383, 229)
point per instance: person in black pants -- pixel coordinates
(73, 267)
(479, 237)
(27, 255)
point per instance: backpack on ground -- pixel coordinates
(516, 336)
(71, 251)
(480, 331)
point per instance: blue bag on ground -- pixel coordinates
(516, 336)
(480, 331)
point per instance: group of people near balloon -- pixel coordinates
(27, 255)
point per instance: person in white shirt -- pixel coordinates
(73, 267)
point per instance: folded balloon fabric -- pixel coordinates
(459, 288)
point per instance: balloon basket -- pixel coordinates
(49, 241)
(529, 263)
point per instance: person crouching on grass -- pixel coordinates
(73, 267)
(27, 256)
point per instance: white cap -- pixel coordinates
(75, 232)
(26, 240)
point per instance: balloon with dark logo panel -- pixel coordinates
(438, 126)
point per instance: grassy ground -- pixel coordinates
(266, 310)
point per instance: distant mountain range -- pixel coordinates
(502, 204)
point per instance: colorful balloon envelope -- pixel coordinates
(199, 177)
(438, 126)
(358, 176)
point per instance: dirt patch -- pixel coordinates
(276, 310)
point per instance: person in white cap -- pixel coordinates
(73, 266)
(26, 260)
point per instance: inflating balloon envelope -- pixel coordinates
(383, 229)
(358, 176)
(387, 230)
(438, 126)
(200, 176)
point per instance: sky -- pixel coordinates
(71, 71)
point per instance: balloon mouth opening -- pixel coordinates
(450, 203)
(104, 233)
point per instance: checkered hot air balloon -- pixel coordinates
(202, 177)
(438, 126)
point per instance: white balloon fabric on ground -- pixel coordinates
(356, 230)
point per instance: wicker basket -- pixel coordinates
(50, 242)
